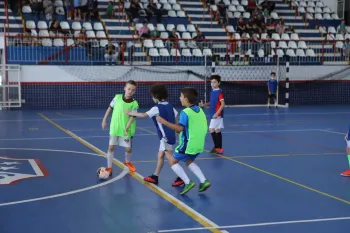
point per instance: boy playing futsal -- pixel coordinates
(166, 135)
(193, 129)
(272, 85)
(122, 127)
(347, 139)
(216, 109)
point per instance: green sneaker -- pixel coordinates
(188, 187)
(204, 186)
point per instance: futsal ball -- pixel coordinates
(102, 173)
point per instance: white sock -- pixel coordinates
(179, 171)
(127, 157)
(197, 171)
(110, 157)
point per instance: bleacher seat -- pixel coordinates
(188, 17)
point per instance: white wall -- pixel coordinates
(40, 73)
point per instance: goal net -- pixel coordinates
(245, 85)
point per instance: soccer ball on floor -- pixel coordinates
(102, 173)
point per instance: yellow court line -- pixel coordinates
(276, 176)
(289, 181)
(177, 203)
(272, 174)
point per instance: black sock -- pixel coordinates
(219, 136)
(215, 139)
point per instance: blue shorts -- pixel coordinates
(184, 157)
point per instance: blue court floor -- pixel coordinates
(280, 173)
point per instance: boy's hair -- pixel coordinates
(159, 92)
(191, 94)
(273, 73)
(131, 82)
(216, 77)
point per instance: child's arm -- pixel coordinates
(136, 114)
(220, 109)
(131, 119)
(176, 127)
(104, 121)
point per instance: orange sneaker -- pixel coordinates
(110, 170)
(130, 166)
(346, 173)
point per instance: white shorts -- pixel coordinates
(348, 143)
(120, 141)
(217, 123)
(165, 146)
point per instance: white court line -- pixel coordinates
(56, 119)
(150, 134)
(121, 175)
(231, 114)
(285, 113)
(56, 138)
(160, 190)
(258, 224)
(329, 131)
(271, 131)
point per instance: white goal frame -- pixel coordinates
(211, 71)
(10, 87)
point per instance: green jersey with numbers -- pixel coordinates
(120, 119)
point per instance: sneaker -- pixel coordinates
(204, 186)
(177, 182)
(219, 150)
(130, 166)
(213, 151)
(110, 170)
(151, 179)
(188, 187)
(346, 173)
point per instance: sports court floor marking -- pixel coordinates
(330, 131)
(274, 175)
(260, 224)
(55, 138)
(121, 175)
(286, 113)
(249, 156)
(179, 204)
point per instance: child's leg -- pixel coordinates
(205, 184)
(127, 144)
(275, 99)
(179, 171)
(348, 154)
(196, 170)
(218, 124)
(110, 156)
(160, 162)
(219, 137)
(213, 133)
(347, 172)
(154, 177)
(113, 141)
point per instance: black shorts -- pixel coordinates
(272, 95)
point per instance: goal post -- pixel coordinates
(10, 87)
(245, 85)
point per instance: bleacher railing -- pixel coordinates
(80, 51)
